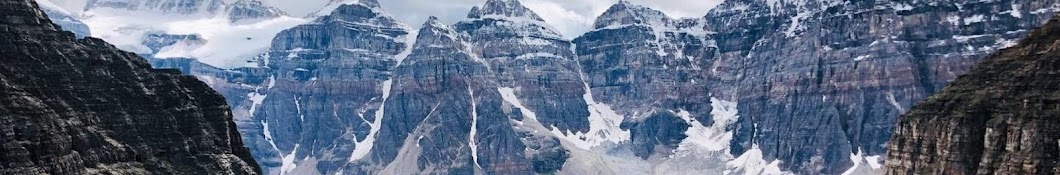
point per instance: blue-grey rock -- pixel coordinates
(429, 113)
(321, 84)
(525, 53)
(649, 73)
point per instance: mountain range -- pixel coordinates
(753, 87)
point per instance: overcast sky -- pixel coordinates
(572, 17)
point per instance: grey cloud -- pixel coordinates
(571, 17)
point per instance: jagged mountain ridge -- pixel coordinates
(1000, 118)
(81, 106)
(818, 84)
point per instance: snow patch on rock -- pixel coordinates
(796, 23)
(256, 99)
(603, 123)
(894, 102)
(508, 94)
(361, 148)
(1015, 11)
(974, 19)
(864, 165)
(288, 163)
(710, 146)
(752, 163)
(709, 138)
(471, 141)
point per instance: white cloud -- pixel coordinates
(571, 17)
(72, 6)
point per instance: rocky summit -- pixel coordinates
(81, 106)
(999, 118)
(247, 11)
(753, 87)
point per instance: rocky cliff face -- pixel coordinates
(81, 106)
(820, 83)
(312, 101)
(650, 74)
(408, 107)
(1000, 118)
(525, 53)
(432, 113)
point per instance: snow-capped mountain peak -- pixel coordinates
(509, 16)
(504, 8)
(365, 12)
(370, 3)
(442, 33)
(626, 13)
(248, 11)
(333, 5)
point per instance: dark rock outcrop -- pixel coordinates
(1002, 117)
(81, 106)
